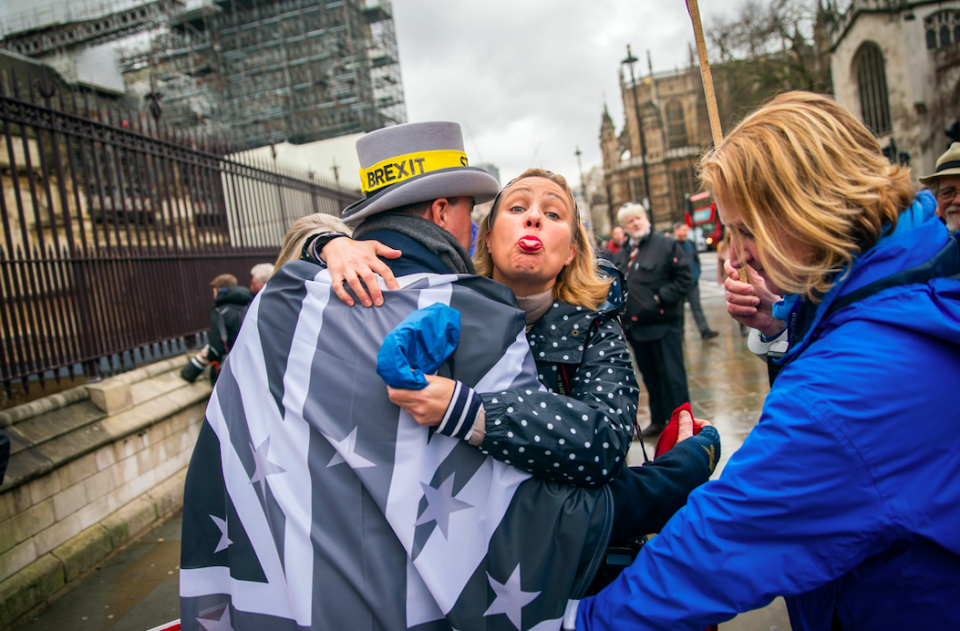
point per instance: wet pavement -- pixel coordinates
(137, 589)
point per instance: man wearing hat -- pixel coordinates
(420, 192)
(313, 502)
(944, 183)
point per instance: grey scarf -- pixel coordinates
(424, 232)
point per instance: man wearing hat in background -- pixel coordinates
(944, 183)
(313, 502)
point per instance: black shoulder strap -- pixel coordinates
(944, 264)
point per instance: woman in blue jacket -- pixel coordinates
(845, 498)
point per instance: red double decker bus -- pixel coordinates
(702, 217)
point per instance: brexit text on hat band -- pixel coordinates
(404, 167)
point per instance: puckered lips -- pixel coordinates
(530, 244)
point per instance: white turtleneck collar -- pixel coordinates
(536, 305)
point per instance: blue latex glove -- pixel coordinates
(418, 345)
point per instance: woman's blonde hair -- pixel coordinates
(301, 229)
(578, 283)
(802, 170)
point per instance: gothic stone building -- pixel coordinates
(896, 63)
(677, 132)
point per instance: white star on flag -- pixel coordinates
(346, 452)
(440, 505)
(224, 541)
(223, 624)
(510, 598)
(264, 466)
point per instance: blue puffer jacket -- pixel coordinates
(845, 498)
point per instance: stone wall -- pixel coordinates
(90, 469)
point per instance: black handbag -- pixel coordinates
(616, 559)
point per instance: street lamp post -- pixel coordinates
(583, 185)
(629, 61)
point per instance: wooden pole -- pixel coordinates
(712, 110)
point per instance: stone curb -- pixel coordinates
(34, 584)
(80, 393)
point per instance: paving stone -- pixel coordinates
(93, 512)
(68, 447)
(29, 587)
(143, 483)
(129, 520)
(83, 551)
(100, 484)
(127, 470)
(111, 395)
(7, 504)
(69, 500)
(106, 456)
(25, 466)
(43, 487)
(17, 558)
(168, 495)
(7, 537)
(78, 470)
(60, 532)
(18, 442)
(42, 428)
(26, 524)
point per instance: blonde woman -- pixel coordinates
(533, 242)
(845, 497)
(301, 230)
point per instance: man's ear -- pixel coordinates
(438, 211)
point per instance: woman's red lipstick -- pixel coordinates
(530, 244)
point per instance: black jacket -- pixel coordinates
(225, 319)
(582, 438)
(658, 279)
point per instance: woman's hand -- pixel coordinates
(751, 304)
(685, 426)
(426, 406)
(356, 263)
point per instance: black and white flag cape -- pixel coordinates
(313, 502)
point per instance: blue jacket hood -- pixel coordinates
(932, 309)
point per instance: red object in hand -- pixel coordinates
(668, 438)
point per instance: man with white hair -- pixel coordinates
(658, 279)
(945, 185)
(259, 275)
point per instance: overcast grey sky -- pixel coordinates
(527, 79)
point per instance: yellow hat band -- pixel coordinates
(400, 168)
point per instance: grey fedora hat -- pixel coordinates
(412, 163)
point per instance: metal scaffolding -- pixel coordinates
(270, 71)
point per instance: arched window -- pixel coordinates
(942, 28)
(872, 81)
(676, 125)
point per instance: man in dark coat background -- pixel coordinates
(680, 232)
(658, 279)
(230, 303)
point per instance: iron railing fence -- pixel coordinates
(113, 225)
